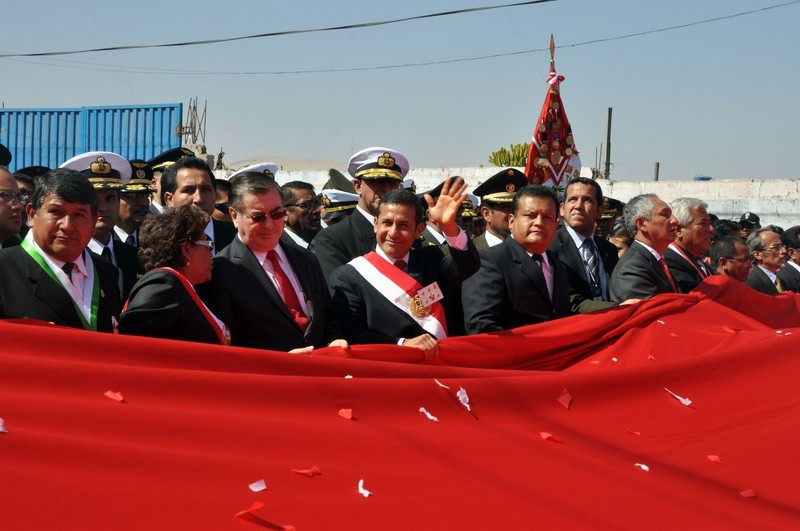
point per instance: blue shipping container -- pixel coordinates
(48, 137)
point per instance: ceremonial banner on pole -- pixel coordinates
(552, 158)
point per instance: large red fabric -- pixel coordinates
(199, 423)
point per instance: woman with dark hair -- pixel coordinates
(176, 253)
(621, 238)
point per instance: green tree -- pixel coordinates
(515, 156)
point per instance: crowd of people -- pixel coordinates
(161, 248)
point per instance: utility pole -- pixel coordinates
(608, 146)
(655, 176)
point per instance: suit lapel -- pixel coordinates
(572, 253)
(51, 293)
(528, 267)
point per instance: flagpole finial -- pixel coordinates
(552, 52)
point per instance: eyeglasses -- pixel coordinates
(259, 218)
(10, 197)
(205, 243)
(222, 207)
(308, 206)
(774, 247)
(740, 260)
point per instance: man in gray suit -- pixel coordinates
(642, 272)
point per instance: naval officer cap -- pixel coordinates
(268, 169)
(337, 203)
(166, 159)
(378, 163)
(104, 169)
(32, 171)
(501, 187)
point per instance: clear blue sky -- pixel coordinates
(717, 99)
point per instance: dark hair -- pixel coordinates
(791, 237)
(287, 190)
(27, 179)
(161, 237)
(70, 185)
(250, 182)
(533, 190)
(598, 191)
(622, 233)
(222, 184)
(169, 179)
(723, 227)
(724, 247)
(401, 196)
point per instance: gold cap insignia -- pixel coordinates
(100, 166)
(387, 161)
(269, 174)
(140, 174)
(510, 188)
(326, 201)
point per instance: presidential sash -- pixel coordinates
(401, 290)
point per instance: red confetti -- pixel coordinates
(255, 506)
(715, 459)
(310, 472)
(565, 399)
(748, 493)
(637, 433)
(114, 395)
(346, 414)
(651, 358)
(549, 437)
(248, 516)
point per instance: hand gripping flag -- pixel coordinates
(552, 157)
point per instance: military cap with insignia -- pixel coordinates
(611, 207)
(105, 170)
(409, 184)
(337, 203)
(378, 163)
(141, 178)
(501, 187)
(469, 205)
(337, 181)
(168, 158)
(5, 156)
(33, 171)
(267, 168)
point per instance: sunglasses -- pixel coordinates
(259, 218)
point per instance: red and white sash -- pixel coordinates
(400, 289)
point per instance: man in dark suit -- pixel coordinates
(496, 194)
(520, 282)
(108, 178)
(790, 273)
(382, 297)
(589, 260)
(10, 209)
(642, 272)
(769, 256)
(271, 295)
(51, 276)
(692, 241)
(375, 172)
(190, 181)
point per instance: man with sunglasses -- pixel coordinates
(271, 294)
(731, 257)
(769, 256)
(303, 210)
(11, 205)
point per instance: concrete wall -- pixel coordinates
(775, 201)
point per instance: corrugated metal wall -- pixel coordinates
(48, 137)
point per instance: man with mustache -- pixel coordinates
(642, 272)
(692, 242)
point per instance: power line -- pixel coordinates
(275, 33)
(157, 71)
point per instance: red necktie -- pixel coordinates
(401, 265)
(669, 275)
(288, 294)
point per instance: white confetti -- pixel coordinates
(661, 322)
(614, 360)
(440, 384)
(425, 412)
(463, 397)
(258, 486)
(643, 467)
(348, 377)
(361, 490)
(684, 401)
(3, 426)
(778, 331)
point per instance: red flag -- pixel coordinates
(552, 157)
